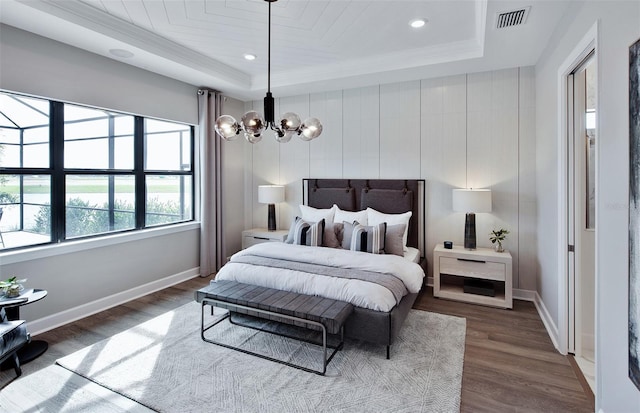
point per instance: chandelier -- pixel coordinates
(252, 123)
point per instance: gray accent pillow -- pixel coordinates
(333, 234)
(394, 240)
(376, 217)
(362, 238)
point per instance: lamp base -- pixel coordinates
(271, 218)
(470, 231)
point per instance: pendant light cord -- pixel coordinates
(269, 52)
(253, 124)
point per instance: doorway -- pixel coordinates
(581, 223)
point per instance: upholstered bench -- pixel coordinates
(317, 313)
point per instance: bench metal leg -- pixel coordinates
(16, 365)
(228, 306)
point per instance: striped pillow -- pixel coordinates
(307, 233)
(362, 238)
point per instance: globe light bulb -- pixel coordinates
(252, 137)
(290, 122)
(227, 127)
(284, 137)
(310, 129)
(253, 123)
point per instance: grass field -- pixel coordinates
(89, 189)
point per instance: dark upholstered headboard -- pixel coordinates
(390, 196)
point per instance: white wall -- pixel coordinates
(619, 27)
(83, 273)
(466, 130)
(39, 66)
(89, 275)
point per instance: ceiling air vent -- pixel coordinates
(512, 18)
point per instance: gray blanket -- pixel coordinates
(389, 281)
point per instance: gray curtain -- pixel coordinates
(210, 183)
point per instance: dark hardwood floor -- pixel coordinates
(510, 363)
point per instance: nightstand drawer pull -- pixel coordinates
(267, 239)
(473, 267)
(466, 259)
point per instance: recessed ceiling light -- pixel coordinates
(416, 24)
(249, 56)
(125, 54)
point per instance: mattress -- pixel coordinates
(412, 254)
(358, 292)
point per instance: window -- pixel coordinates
(70, 171)
(167, 151)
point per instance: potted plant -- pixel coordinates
(497, 236)
(12, 287)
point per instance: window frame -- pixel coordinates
(58, 175)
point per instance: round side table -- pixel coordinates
(35, 348)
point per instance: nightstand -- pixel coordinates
(259, 235)
(480, 276)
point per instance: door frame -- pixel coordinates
(582, 49)
(577, 193)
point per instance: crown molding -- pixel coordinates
(401, 60)
(93, 19)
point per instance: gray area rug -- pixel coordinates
(164, 365)
(55, 389)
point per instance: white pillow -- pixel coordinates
(312, 214)
(376, 218)
(349, 216)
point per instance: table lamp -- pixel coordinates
(471, 201)
(271, 194)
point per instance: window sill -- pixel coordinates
(69, 247)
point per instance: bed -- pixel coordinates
(379, 310)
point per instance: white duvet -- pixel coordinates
(357, 292)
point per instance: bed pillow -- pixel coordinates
(376, 218)
(393, 240)
(363, 238)
(306, 233)
(312, 214)
(333, 234)
(349, 216)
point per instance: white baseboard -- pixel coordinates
(67, 316)
(551, 327)
(528, 295)
(525, 295)
(588, 343)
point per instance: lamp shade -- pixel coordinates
(270, 194)
(472, 200)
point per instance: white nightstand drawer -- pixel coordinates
(259, 235)
(455, 269)
(473, 268)
(249, 241)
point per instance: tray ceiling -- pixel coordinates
(316, 45)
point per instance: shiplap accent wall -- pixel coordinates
(474, 130)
